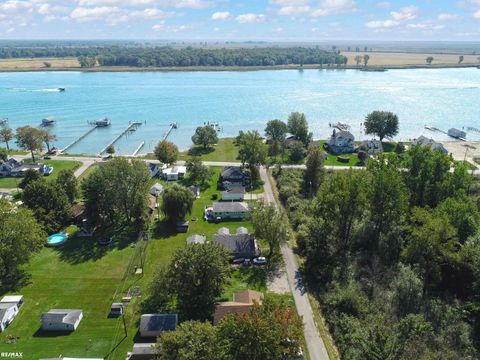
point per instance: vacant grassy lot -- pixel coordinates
(225, 150)
(58, 165)
(37, 63)
(83, 275)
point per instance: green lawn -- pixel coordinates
(225, 150)
(58, 165)
(83, 275)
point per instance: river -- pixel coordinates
(241, 100)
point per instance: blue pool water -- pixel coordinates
(56, 239)
(237, 100)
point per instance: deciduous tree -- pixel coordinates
(270, 225)
(30, 139)
(177, 202)
(197, 172)
(298, 127)
(382, 124)
(314, 170)
(252, 151)
(6, 135)
(68, 182)
(276, 132)
(205, 136)
(166, 152)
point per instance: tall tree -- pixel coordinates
(30, 176)
(205, 136)
(298, 127)
(116, 194)
(381, 123)
(366, 58)
(271, 226)
(253, 151)
(429, 60)
(20, 237)
(166, 152)
(68, 182)
(48, 138)
(314, 170)
(197, 172)
(30, 139)
(276, 132)
(49, 204)
(177, 202)
(358, 60)
(3, 154)
(6, 135)
(193, 340)
(199, 272)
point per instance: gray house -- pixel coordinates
(61, 319)
(234, 174)
(152, 325)
(424, 141)
(14, 168)
(228, 211)
(372, 147)
(233, 192)
(341, 142)
(239, 245)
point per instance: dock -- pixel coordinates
(167, 133)
(77, 140)
(133, 125)
(470, 128)
(142, 144)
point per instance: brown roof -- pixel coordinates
(242, 303)
(77, 210)
(248, 297)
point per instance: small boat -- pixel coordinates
(48, 121)
(61, 89)
(103, 122)
(47, 170)
(174, 125)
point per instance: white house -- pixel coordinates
(227, 210)
(9, 308)
(174, 173)
(341, 142)
(61, 319)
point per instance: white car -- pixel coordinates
(260, 261)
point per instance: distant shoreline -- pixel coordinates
(236, 68)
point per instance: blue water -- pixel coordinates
(56, 239)
(237, 100)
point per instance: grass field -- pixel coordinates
(225, 150)
(11, 182)
(83, 275)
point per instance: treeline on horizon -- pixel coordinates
(189, 56)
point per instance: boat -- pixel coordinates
(61, 89)
(457, 134)
(103, 122)
(48, 121)
(47, 170)
(174, 125)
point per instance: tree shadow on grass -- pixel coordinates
(255, 276)
(15, 282)
(81, 249)
(50, 334)
(163, 229)
(199, 151)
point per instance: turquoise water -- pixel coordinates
(56, 239)
(236, 100)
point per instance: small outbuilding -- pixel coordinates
(152, 325)
(61, 319)
(195, 189)
(242, 303)
(143, 351)
(9, 308)
(116, 309)
(196, 239)
(182, 226)
(156, 190)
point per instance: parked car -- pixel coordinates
(107, 240)
(238, 261)
(260, 261)
(46, 157)
(247, 262)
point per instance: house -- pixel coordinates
(9, 307)
(234, 174)
(196, 239)
(239, 245)
(6, 167)
(116, 309)
(242, 303)
(156, 189)
(372, 147)
(233, 192)
(174, 173)
(227, 211)
(341, 142)
(182, 226)
(61, 319)
(142, 351)
(152, 325)
(195, 189)
(154, 170)
(424, 141)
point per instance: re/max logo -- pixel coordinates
(11, 355)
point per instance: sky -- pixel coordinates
(240, 20)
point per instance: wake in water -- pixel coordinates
(35, 90)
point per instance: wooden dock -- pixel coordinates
(133, 125)
(138, 149)
(167, 133)
(77, 140)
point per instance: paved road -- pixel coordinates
(315, 345)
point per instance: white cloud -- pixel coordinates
(159, 26)
(426, 25)
(250, 18)
(15, 6)
(10, 30)
(192, 4)
(221, 15)
(293, 10)
(447, 16)
(476, 15)
(151, 13)
(111, 14)
(382, 24)
(406, 13)
(175, 29)
(384, 4)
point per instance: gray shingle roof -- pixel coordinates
(66, 316)
(158, 322)
(219, 207)
(237, 243)
(232, 173)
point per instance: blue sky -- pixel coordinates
(274, 20)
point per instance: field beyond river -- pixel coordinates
(236, 100)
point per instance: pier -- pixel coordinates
(167, 133)
(134, 125)
(138, 149)
(77, 140)
(470, 128)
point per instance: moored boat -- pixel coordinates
(103, 122)
(48, 121)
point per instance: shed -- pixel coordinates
(195, 189)
(8, 311)
(242, 303)
(156, 189)
(196, 239)
(182, 226)
(152, 325)
(242, 230)
(116, 309)
(142, 351)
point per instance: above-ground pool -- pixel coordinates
(56, 239)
